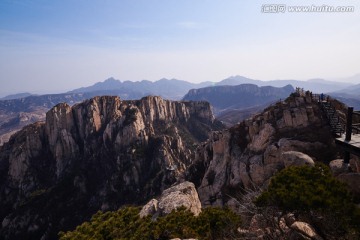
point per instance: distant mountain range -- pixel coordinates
(350, 96)
(232, 104)
(314, 85)
(175, 89)
(229, 117)
(167, 88)
(16, 96)
(229, 98)
(352, 91)
(18, 110)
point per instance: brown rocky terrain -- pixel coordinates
(246, 156)
(97, 155)
(105, 153)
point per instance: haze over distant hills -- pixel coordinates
(315, 85)
(175, 89)
(239, 96)
(350, 96)
(353, 79)
(229, 102)
(16, 96)
(17, 110)
(352, 91)
(166, 88)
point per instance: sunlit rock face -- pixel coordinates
(246, 156)
(96, 155)
(175, 197)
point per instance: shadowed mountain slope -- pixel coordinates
(97, 155)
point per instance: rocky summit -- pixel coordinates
(292, 132)
(100, 154)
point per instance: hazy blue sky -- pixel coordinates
(57, 45)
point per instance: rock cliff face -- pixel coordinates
(99, 154)
(292, 132)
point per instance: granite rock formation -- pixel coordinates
(181, 195)
(97, 155)
(246, 156)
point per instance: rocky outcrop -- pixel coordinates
(303, 230)
(181, 195)
(246, 156)
(96, 155)
(150, 209)
(294, 158)
(285, 227)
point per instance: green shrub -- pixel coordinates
(217, 223)
(212, 223)
(314, 195)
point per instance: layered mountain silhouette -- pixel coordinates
(16, 96)
(314, 85)
(167, 88)
(18, 110)
(239, 96)
(350, 96)
(230, 101)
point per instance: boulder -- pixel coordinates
(338, 167)
(305, 230)
(150, 208)
(181, 195)
(293, 158)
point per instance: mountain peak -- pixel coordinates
(16, 96)
(111, 79)
(103, 153)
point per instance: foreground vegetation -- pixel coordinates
(311, 194)
(314, 196)
(212, 223)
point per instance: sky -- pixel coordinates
(60, 45)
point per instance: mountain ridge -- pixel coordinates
(315, 85)
(172, 89)
(16, 113)
(239, 96)
(98, 154)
